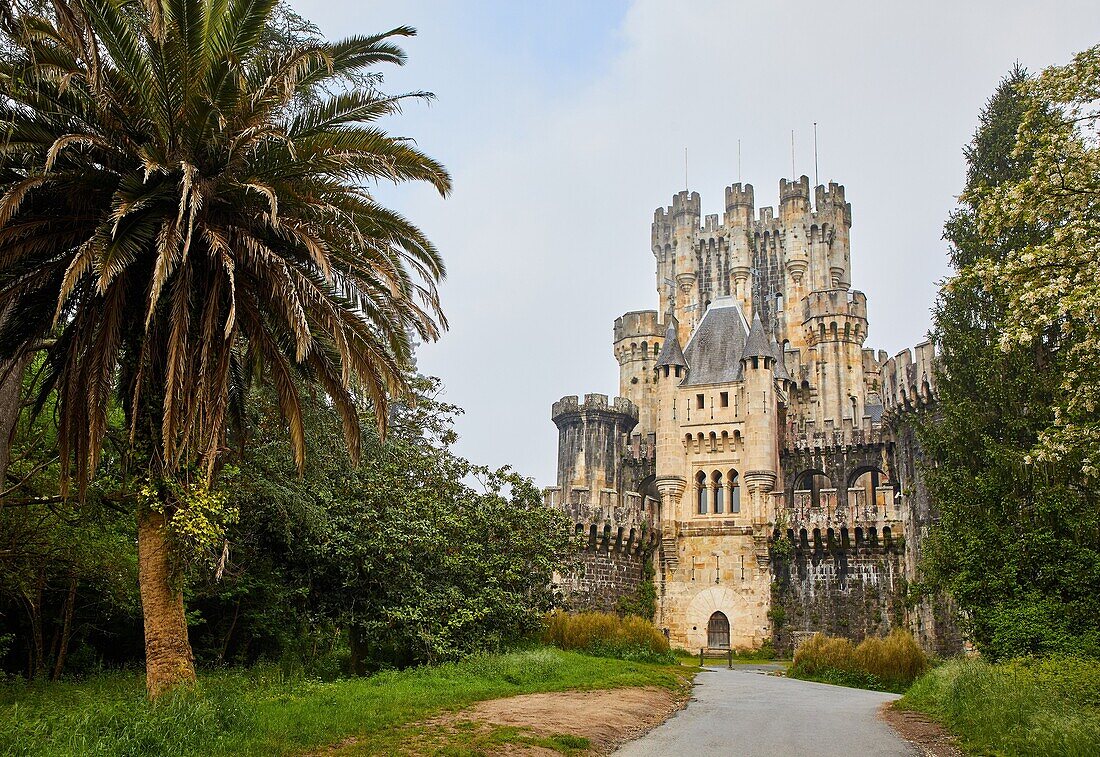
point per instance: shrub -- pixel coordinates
(606, 635)
(890, 664)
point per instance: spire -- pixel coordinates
(671, 353)
(756, 344)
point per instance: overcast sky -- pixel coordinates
(564, 124)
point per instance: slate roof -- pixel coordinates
(714, 351)
(671, 354)
(756, 345)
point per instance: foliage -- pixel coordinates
(889, 664)
(1052, 284)
(1023, 707)
(998, 398)
(263, 711)
(418, 557)
(182, 206)
(608, 635)
(642, 602)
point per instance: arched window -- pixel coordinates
(735, 492)
(701, 487)
(718, 631)
(719, 499)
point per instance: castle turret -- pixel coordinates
(835, 325)
(592, 440)
(638, 340)
(761, 418)
(669, 372)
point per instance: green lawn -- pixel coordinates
(1034, 708)
(261, 712)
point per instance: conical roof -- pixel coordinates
(756, 344)
(780, 362)
(671, 352)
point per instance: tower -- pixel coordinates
(761, 464)
(592, 438)
(669, 371)
(638, 340)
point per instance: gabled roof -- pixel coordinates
(714, 351)
(756, 345)
(671, 354)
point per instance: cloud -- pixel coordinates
(563, 143)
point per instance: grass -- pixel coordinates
(890, 664)
(264, 712)
(1037, 707)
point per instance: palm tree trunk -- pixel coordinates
(11, 383)
(168, 659)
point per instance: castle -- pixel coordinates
(757, 459)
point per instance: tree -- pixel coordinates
(419, 557)
(1016, 542)
(1052, 284)
(184, 209)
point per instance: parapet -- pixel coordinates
(593, 403)
(832, 200)
(909, 379)
(638, 323)
(794, 197)
(738, 197)
(829, 303)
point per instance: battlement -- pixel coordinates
(909, 379)
(739, 197)
(638, 323)
(593, 403)
(849, 433)
(794, 196)
(835, 315)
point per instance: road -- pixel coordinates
(745, 713)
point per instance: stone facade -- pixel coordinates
(756, 439)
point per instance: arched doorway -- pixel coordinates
(718, 631)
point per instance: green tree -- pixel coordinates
(185, 207)
(1016, 542)
(418, 557)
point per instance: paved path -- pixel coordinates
(744, 713)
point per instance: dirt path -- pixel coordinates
(605, 718)
(930, 737)
(567, 722)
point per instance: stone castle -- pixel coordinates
(757, 466)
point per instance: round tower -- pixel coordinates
(835, 327)
(758, 364)
(638, 340)
(669, 371)
(592, 440)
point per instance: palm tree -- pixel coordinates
(184, 208)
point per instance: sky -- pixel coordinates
(564, 124)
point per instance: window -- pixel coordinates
(724, 399)
(701, 485)
(735, 492)
(718, 631)
(699, 402)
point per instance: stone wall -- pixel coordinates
(852, 593)
(601, 578)
(934, 620)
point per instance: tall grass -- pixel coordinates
(1046, 707)
(266, 712)
(605, 635)
(889, 664)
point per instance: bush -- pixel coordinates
(1024, 707)
(605, 635)
(889, 664)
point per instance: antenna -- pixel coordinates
(686, 187)
(816, 182)
(739, 161)
(792, 155)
